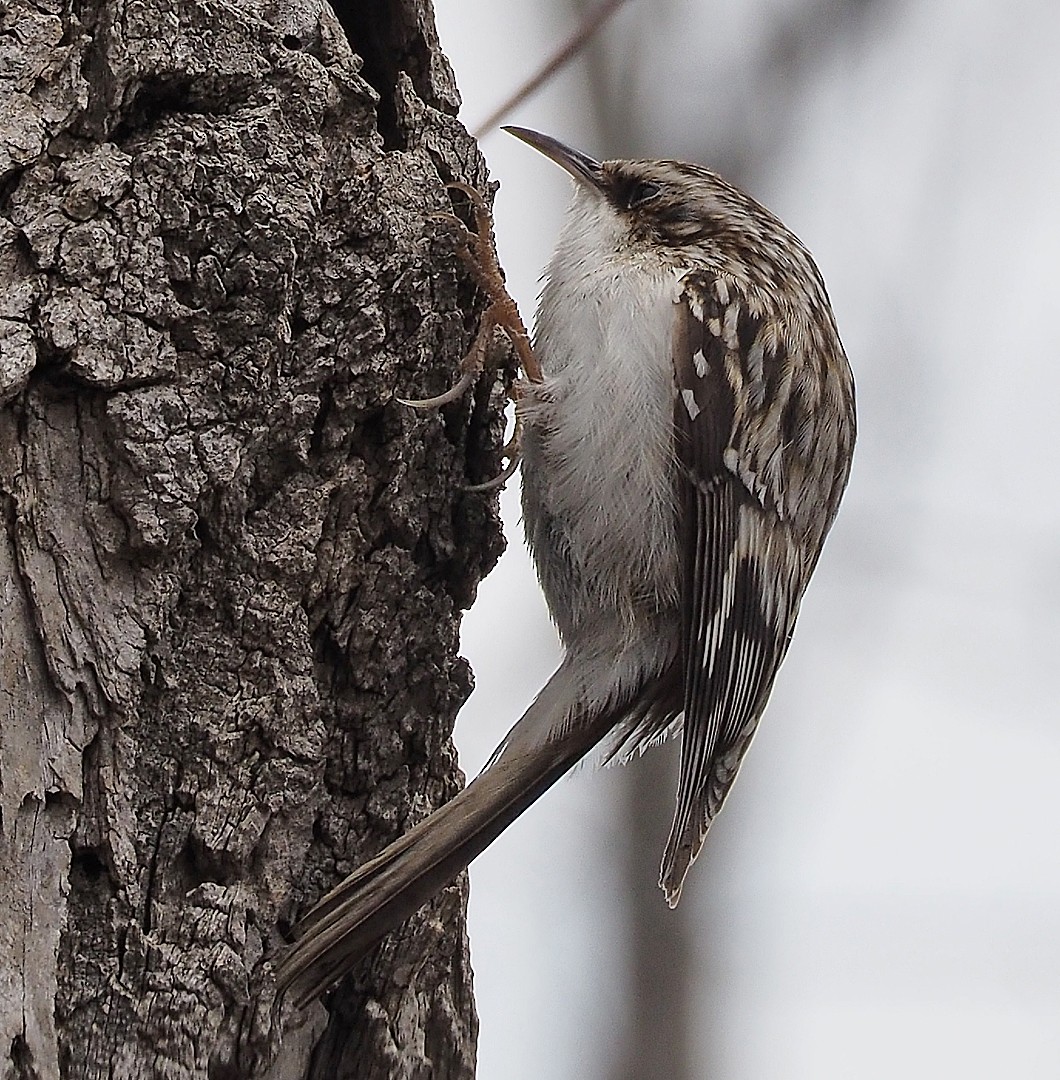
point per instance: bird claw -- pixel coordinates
(457, 390)
(499, 480)
(480, 254)
(513, 452)
(453, 221)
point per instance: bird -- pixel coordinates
(687, 432)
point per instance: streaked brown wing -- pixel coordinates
(744, 572)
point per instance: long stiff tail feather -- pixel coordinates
(385, 891)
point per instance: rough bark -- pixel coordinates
(231, 565)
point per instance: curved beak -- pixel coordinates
(583, 168)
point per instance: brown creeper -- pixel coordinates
(684, 454)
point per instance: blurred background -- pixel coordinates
(881, 896)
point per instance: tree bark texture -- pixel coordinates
(231, 564)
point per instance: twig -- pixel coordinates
(567, 51)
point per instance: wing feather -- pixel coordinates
(747, 552)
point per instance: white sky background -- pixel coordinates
(883, 890)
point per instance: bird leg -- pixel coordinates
(479, 252)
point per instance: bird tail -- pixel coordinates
(385, 891)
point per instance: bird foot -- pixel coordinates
(479, 252)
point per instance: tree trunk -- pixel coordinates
(231, 565)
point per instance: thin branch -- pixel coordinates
(566, 52)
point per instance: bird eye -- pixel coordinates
(642, 192)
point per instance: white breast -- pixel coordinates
(603, 419)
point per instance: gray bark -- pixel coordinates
(231, 565)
